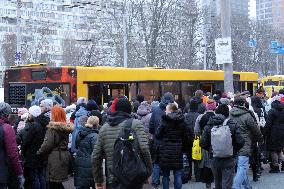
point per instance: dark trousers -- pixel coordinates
(197, 171)
(3, 186)
(38, 178)
(120, 186)
(56, 185)
(224, 171)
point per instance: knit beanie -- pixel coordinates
(92, 105)
(123, 105)
(225, 101)
(222, 109)
(92, 121)
(81, 100)
(35, 111)
(22, 111)
(5, 109)
(211, 105)
(47, 103)
(25, 116)
(83, 120)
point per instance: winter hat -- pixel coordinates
(123, 105)
(140, 98)
(112, 107)
(35, 111)
(92, 121)
(81, 100)
(193, 105)
(225, 101)
(92, 105)
(167, 99)
(47, 103)
(5, 109)
(211, 105)
(71, 108)
(222, 109)
(25, 116)
(154, 104)
(22, 111)
(83, 120)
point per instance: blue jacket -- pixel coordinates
(81, 112)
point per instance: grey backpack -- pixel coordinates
(221, 141)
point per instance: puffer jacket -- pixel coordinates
(274, 128)
(173, 135)
(105, 145)
(31, 144)
(54, 147)
(217, 120)
(248, 126)
(144, 113)
(190, 119)
(85, 142)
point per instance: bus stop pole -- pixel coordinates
(225, 9)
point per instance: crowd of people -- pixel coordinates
(128, 143)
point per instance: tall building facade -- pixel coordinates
(271, 12)
(46, 24)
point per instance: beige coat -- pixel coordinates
(55, 147)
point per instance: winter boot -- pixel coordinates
(282, 166)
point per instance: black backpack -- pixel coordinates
(128, 166)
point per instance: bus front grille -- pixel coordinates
(17, 95)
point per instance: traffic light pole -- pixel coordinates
(225, 9)
(18, 34)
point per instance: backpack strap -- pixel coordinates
(226, 121)
(126, 130)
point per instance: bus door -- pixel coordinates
(116, 90)
(206, 87)
(95, 92)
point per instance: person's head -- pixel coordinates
(82, 100)
(259, 93)
(58, 114)
(211, 105)
(83, 120)
(239, 101)
(140, 98)
(167, 99)
(193, 105)
(92, 122)
(198, 93)
(218, 92)
(22, 111)
(5, 110)
(123, 105)
(97, 114)
(92, 105)
(222, 109)
(245, 94)
(46, 105)
(171, 107)
(34, 112)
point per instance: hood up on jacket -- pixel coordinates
(217, 119)
(42, 119)
(167, 99)
(144, 109)
(87, 130)
(81, 112)
(118, 117)
(238, 111)
(175, 116)
(60, 126)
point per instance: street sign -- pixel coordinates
(18, 56)
(274, 44)
(252, 43)
(223, 49)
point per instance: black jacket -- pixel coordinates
(173, 135)
(237, 140)
(274, 128)
(190, 119)
(32, 141)
(85, 143)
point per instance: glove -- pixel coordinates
(21, 181)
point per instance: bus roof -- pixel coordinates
(150, 74)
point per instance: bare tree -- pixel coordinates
(8, 48)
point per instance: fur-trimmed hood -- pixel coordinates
(60, 126)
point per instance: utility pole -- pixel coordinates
(18, 33)
(125, 36)
(277, 64)
(225, 9)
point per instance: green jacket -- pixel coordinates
(249, 129)
(105, 146)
